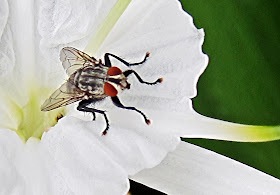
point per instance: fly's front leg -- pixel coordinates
(117, 102)
(128, 72)
(108, 62)
(83, 107)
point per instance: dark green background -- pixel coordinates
(241, 82)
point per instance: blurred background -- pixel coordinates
(242, 81)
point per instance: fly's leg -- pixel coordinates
(128, 72)
(117, 102)
(108, 62)
(83, 107)
(94, 116)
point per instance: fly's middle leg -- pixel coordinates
(128, 72)
(83, 107)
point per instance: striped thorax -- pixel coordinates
(99, 81)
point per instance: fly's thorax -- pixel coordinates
(91, 79)
(100, 81)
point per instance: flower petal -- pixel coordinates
(20, 24)
(4, 9)
(64, 23)
(160, 27)
(23, 166)
(7, 53)
(209, 128)
(18, 50)
(164, 29)
(9, 176)
(68, 160)
(107, 25)
(193, 125)
(221, 130)
(168, 33)
(193, 170)
(80, 162)
(130, 143)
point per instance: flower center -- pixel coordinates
(30, 121)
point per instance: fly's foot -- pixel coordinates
(159, 80)
(105, 131)
(147, 54)
(148, 122)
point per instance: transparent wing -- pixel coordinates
(66, 94)
(73, 59)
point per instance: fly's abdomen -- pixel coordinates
(91, 80)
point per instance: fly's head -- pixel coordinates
(116, 82)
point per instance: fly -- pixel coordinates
(90, 81)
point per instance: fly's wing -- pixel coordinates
(66, 94)
(73, 59)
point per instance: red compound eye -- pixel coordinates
(110, 90)
(114, 71)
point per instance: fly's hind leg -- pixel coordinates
(118, 103)
(83, 107)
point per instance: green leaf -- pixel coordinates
(241, 83)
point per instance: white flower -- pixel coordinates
(73, 157)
